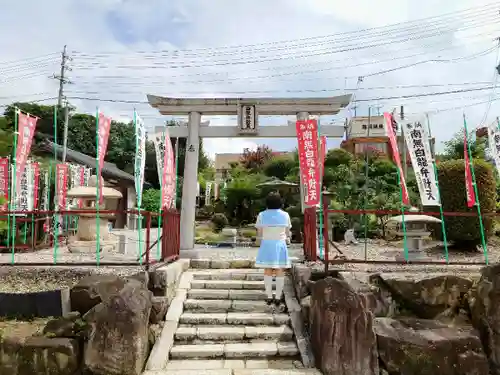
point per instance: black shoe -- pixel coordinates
(269, 301)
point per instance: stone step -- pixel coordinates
(227, 284)
(234, 294)
(235, 371)
(234, 333)
(227, 305)
(235, 350)
(217, 364)
(250, 275)
(250, 319)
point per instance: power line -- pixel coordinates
(282, 57)
(434, 19)
(27, 59)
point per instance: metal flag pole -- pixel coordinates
(98, 175)
(443, 225)
(139, 227)
(478, 205)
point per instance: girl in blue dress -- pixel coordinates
(273, 228)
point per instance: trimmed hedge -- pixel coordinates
(453, 195)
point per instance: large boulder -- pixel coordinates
(425, 295)
(341, 329)
(484, 301)
(91, 290)
(118, 340)
(410, 346)
(375, 299)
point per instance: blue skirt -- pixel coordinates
(273, 254)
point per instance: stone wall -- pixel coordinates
(114, 323)
(402, 323)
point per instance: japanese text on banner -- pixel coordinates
(469, 188)
(169, 179)
(4, 183)
(390, 128)
(61, 185)
(26, 129)
(103, 137)
(494, 144)
(24, 195)
(140, 157)
(36, 184)
(159, 142)
(418, 142)
(307, 139)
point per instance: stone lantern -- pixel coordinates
(416, 232)
(85, 240)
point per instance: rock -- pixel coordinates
(305, 304)
(375, 299)
(143, 277)
(425, 295)
(341, 329)
(118, 342)
(158, 309)
(301, 274)
(484, 301)
(153, 334)
(416, 346)
(90, 290)
(39, 355)
(69, 325)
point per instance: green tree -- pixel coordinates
(279, 166)
(255, 160)
(454, 148)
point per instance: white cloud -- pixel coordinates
(106, 35)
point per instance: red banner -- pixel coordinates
(26, 129)
(4, 182)
(307, 139)
(61, 185)
(469, 188)
(103, 136)
(82, 183)
(36, 184)
(391, 133)
(168, 180)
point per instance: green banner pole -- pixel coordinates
(137, 167)
(441, 213)
(478, 204)
(365, 198)
(10, 179)
(56, 205)
(321, 234)
(97, 201)
(13, 205)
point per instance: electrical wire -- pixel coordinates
(494, 82)
(418, 22)
(26, 59)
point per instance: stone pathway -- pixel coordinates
(219, 324)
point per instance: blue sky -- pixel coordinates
(125, 49)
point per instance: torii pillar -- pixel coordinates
(248, 111)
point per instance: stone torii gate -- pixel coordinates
(248, 111)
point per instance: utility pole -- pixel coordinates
(403, 143)
(62, 81)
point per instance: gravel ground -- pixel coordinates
(22, 328)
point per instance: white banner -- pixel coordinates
(74, 181)
(418, 142)
(494, 144)
(208, 193)
(46, 188)
(159, 142)
(140, 157)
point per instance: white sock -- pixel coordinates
(280, 283)
(268, 283)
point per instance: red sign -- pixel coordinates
(307, 138)
(82, 183)
(168, 180)
(469, 188)
(391, 133)
(4, 182)
(36, 183)
(61, 185)
(26, 130)
(103, 137)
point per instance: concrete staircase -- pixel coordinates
(226, 328)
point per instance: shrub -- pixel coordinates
(464, 231)
(219, 221)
